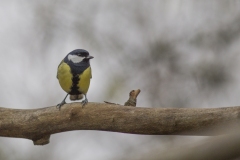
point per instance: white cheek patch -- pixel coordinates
(75, 58)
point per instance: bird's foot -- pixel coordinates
(60, 105)
(84, 102)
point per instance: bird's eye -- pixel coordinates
(79, 54)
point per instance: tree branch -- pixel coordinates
(39, 124)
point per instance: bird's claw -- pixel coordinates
(60, 105)
(84, 102)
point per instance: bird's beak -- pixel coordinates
(89, 57)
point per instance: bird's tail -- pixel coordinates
(76, 97)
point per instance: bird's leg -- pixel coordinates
(62, 103)
(85, 101)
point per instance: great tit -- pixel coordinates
(74, 74)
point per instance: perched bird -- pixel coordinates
(74, 74)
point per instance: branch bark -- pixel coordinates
(39, 124)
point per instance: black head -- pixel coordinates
(78, 55)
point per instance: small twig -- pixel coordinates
(132, 101)
(111, 103)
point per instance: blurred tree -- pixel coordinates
(179, 53)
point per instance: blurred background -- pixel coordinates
(179, 53)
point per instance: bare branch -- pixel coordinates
(39, 124)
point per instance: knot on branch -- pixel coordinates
(132, 101)
(74, 113)
(41, 141)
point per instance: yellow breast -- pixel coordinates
(65, 77)
(84, 82)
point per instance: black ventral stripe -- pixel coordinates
(76, 70)
(74, 88)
